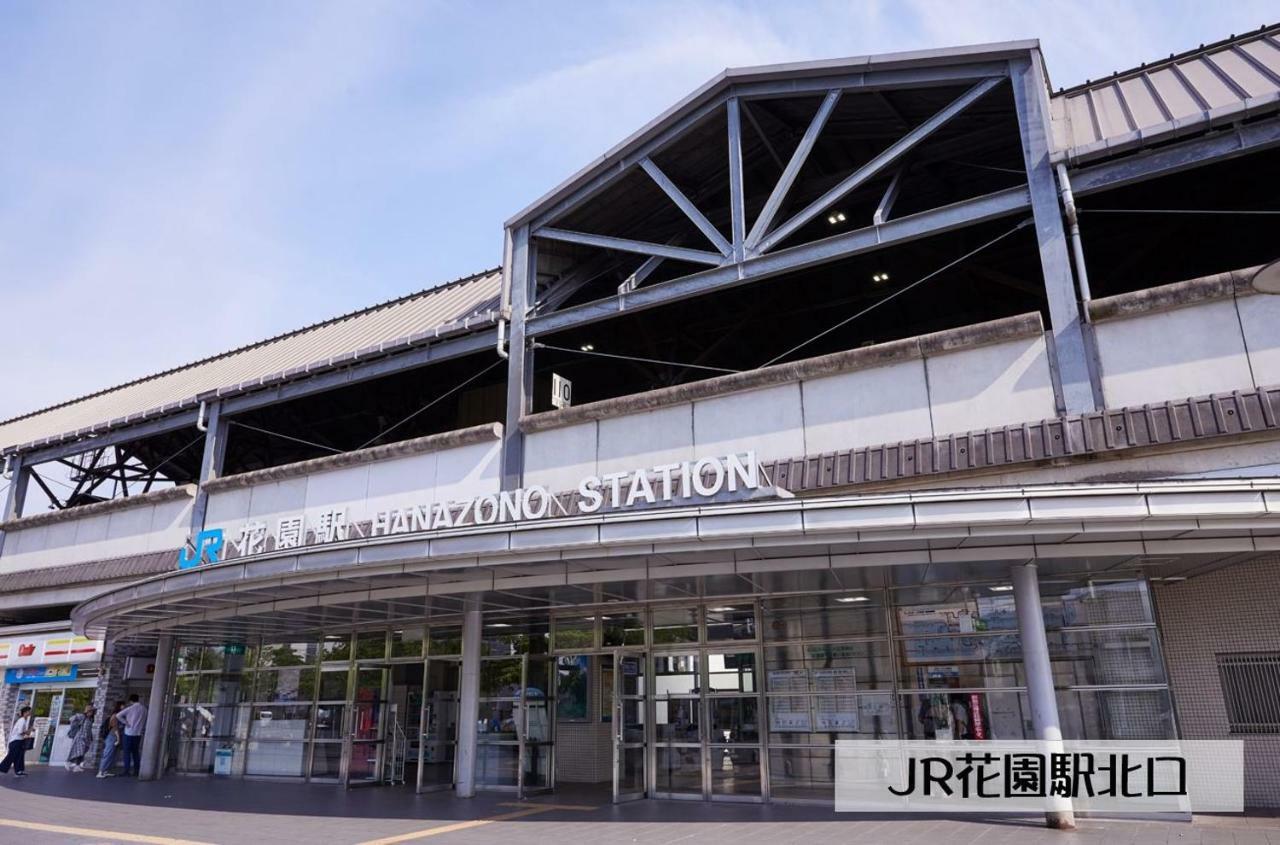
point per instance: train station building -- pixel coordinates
(896, 396)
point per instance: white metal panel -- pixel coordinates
(988, 386)
(867, 407)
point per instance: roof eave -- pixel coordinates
(968, 54)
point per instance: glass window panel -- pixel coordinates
(329, 721)
(791, 668)
(731, 671)
(326, 760)
(622, 629)
(575, 632)
(279, 722)
(366, 720)
(498, 721)
(821, 720)
(677, 720)
(296, 683)
(960, 662)
(735, 719)
(277, 759)
(496, 764)
(336, 647)
(371, 645)
(445, 640)
(573, 685)
(368, 684)
(726, 622)
(735, 771)
(1096, 603)
(192, 757)
(437, 763)
(501, 638)
(966, 715)
(676, 674)
(406, 643)
(632, 674)
(824, 616)
(675, 625)
(679, 770)
(539, 672)
(802, 773)
(537, 765)
(189, 658)
(1116, 714)
(333, 685)
(1106, 657)
(365, 757)
(288, 654)
(185, 688)
(500, 677)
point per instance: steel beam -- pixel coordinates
(912, 227)
(16, 495)
(1174, 158)
(885, 208)
(1072, 373)
(520, 263)
(642, 272)
(873, 80)
(679, 253)
(215, 451)
(737, 201)
(764, 139)
(873, 168)
(686, 205)
(792, 170)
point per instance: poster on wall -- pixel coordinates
(836, 705)
(790, 713)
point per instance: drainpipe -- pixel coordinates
(201, 423)
(502, 338)
(1073, 227)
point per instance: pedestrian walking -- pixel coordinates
(19, 733)
(133, 721)
(112, 742)
(81, 732)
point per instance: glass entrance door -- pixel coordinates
(677, 725)
(630, 726)
(438, 741)
(366, 728)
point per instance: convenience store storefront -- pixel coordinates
(56, 674)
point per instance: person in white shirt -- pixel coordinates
(18, 745)
(134, 721)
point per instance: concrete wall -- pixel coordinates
(951, 390)
(1191, 338)
(149, 523)
(1191, 615)
(359, 490)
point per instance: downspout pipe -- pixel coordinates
(1073, 229)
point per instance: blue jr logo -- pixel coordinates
(205, 548)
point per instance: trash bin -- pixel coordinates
(222, 761)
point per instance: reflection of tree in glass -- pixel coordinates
(571, 687)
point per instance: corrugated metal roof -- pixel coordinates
(1212, 85)
(467, 303)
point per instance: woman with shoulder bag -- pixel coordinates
(81, 733)
(19, 734)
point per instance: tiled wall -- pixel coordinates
(583, 754)
(1236, 609)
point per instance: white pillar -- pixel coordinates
(468, 699)
(153, 734)
(1035, 662)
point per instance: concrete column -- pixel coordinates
(16, 494)
(1035, 662)
(152, 739)
(469, 699)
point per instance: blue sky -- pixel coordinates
(179, 178)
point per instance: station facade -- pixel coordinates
(887, 397)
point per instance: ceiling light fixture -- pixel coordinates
(499, 625)
(588, 347)
(721, 609)
(852, 598)
(1001, 588)
(837, 217)
(879, 278)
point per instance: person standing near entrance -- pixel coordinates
(112, 742)
(18, 735)
(81, 733)
(133, 720)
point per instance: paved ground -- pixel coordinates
(53, 806)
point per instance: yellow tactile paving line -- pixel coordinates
(528, 810)
(101, 834)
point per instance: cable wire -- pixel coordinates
(285, 436)
(898, 293)
(447, 393)
(633, 358)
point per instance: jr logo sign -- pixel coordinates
(205, 548)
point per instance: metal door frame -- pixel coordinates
(754, 648)
(349, 741)
(618, 739)
(522, 725)
(698, 651)
(422, 724)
